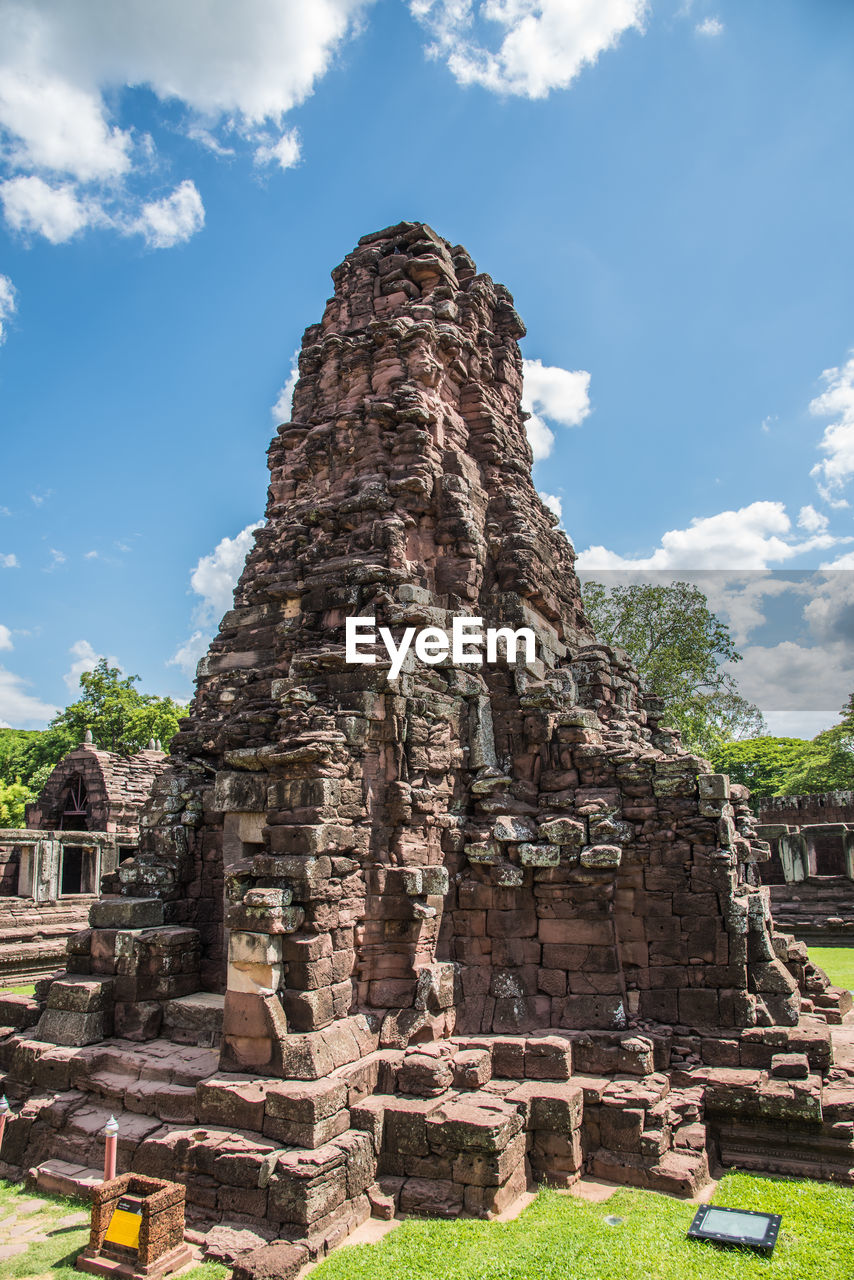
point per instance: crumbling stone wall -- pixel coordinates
(498, 848)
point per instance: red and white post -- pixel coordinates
(5, 1111)
(111, 1129)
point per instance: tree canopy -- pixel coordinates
(679, 648)
(793, 766)
(120, 717)
(827, 762)
(14, 797)
(762, 764)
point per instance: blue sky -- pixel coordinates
(666, 189)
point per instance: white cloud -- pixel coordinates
(19, 709)
(8, 307)
(828, 495)
(85, 659)
(9, 561)
(801, 686)
(540, 438)
(561, 395)
(173, 219)
(33, 206)
(811, 520)
(188, 655)
(282, 409)
(235, 70)
(751, 538)
(91, 555)
(215, 576)
(543, 44)
(836, 401)
(54, 125)
(830, 610)
(798, 724)
(740, 598)
(5, 638)
(805, 652)
(198, 133)
(553, 503)
(709, 27)
(214, 579)
(796, 680)
(56, 559)
(842, 562)
(285, 151)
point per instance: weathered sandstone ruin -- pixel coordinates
(473, 925)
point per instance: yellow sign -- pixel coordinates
(125, 1223)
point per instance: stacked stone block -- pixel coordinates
(129, 964)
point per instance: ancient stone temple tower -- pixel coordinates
(495, 848)
(408, 941)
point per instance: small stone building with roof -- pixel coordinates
(95, 790)
(84, 822)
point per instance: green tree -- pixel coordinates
(679, 647)
(120, 717)
(827, 763)
(27, 754)
(14, 797)
(760, 763)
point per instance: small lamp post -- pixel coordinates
(5, 1112)
(111, 1129)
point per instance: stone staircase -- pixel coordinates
(817, 910)
(72, 1091)
(424, 1130)
(33, 937)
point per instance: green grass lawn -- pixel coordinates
(17, 991)
(562, 1238)
(53, 1258)
(837, 962)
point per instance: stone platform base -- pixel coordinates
(452, 1127)
(60, 1178)
(33, 936)
(166, 1265)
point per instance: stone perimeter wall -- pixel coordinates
(809, 810)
